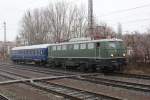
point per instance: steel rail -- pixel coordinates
(147, 77)
(71, 93)
(116, 83)
(38, 70)
(2, 97)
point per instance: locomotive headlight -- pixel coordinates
(124, 54)
(111, 55)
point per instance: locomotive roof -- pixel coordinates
(111, 40)
(47, 45)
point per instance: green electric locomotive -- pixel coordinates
(89, 55)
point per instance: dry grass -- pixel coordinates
(138, 69)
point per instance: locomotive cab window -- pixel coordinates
(97, 45)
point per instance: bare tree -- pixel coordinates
(56, 23)
(139, 43)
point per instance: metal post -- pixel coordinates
(5, 46)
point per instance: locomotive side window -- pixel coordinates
(59, 47)
(70, 46)
(64, 47)
(90, 45)
(83, 46)
(76, 46)
(112, 44)
(54, 48)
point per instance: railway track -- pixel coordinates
(71, 93)
(77, 94)
(66, 92)
(5, 75)
(2, 97)
(12, 75)
(40, 70)
(147, 77)
(116, 83)
(56, 72)
(60, 72)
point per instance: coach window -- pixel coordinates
(83, 46)
(54, 48)
(37, 52)
(34, 52)
(41, 52)
(25, 52)
(90, 45)
(76, 46)
(64, 47)
(29, 51)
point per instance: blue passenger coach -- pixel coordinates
(35, 53)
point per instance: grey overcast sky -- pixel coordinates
(12, 11)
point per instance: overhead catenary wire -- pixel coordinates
(126, 10)
(137, 20)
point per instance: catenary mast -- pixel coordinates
(90, 18)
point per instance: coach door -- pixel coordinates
(97, 50)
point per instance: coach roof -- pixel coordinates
(31, 47)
